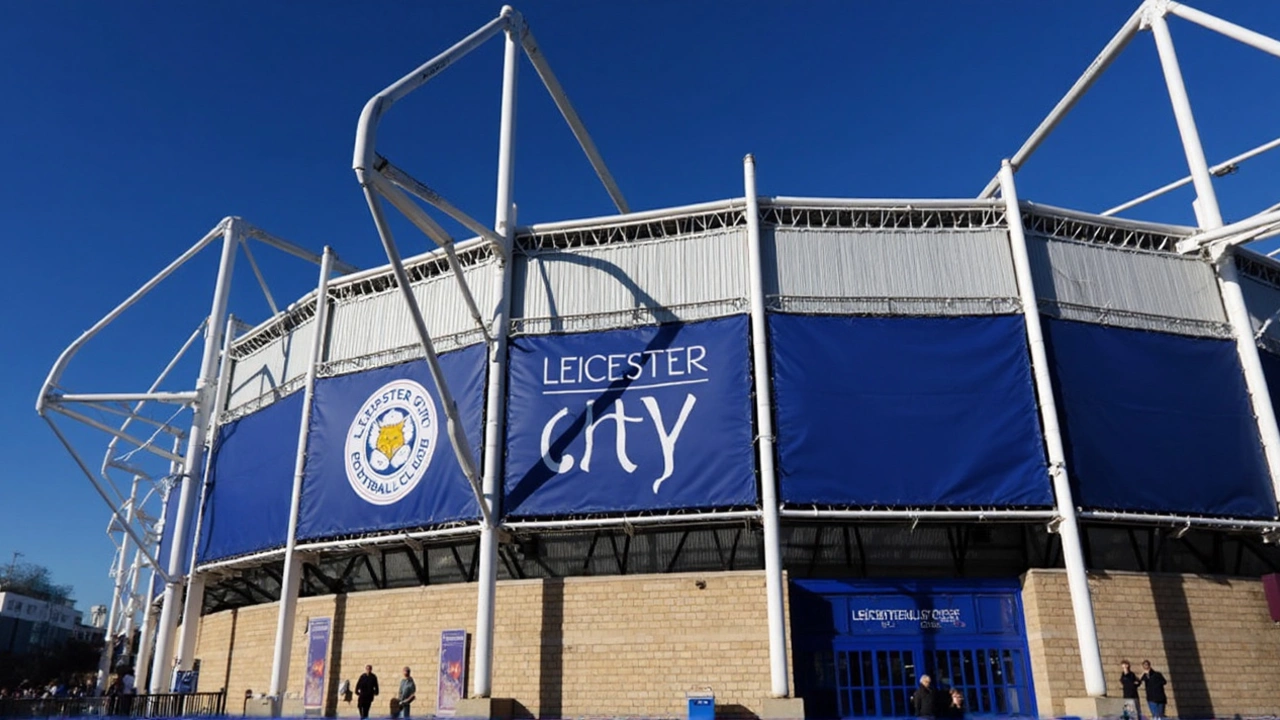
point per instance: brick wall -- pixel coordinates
(580, 646)
(1211, 637)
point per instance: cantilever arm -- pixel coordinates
(55, 373)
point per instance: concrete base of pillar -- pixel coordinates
(261, 707)
(1090, 708)
(485, 708)
(782, 709)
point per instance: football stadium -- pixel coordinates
(757, 457)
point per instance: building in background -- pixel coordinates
(29, 624)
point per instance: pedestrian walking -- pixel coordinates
(366, 691)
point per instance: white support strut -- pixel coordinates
(291, 581)
(193, 603)
(193, 463)
(496, 394)
(779, 683)
(1209, 217)
(1095, 681)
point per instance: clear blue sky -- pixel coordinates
(131, 128)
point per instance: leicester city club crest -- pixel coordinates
(391, 441)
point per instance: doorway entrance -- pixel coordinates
(860, 647)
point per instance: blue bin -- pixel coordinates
(702, 705)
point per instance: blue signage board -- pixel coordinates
(378, 453)
(639, 419)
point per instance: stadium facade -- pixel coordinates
(796, 451)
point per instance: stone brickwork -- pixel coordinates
(1211, 637)
(609, 646)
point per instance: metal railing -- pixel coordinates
(207, 704)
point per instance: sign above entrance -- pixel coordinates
(879, 614)
(929, 614)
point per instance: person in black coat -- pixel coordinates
(366, 689)
(924, 701)
(1156, 697)
(1129, 689)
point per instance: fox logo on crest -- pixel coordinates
(390, 442)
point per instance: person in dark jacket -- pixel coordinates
(1156, 697)
(366, 690)
(924, 701)
(1129, 690)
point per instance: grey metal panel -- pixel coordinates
(1128, 287)
(841, 270)
(375, 323)
(1263, 301)
(633, 283)
(270, 367)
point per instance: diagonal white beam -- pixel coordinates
(55, 373)
(1091, 74)
(266, 238)
(1249, 37)
(432, 229)
(419, 189)
(257, 273)
(97, 425)
(124, 524)
(457, 436)
(534, 53)
(1214, 170)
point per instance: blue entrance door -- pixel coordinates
(860, 648)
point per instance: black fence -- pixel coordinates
(141, 706)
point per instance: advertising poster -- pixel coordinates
(453, 673)
(317, 651)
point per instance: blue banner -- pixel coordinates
(379, 456)
(1157, 423)
(318, 630)
(626, 420)
(246, 506)
(453, 672)
(906, 412)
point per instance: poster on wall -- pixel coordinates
(649, 418)
(317, 652)
(453, 671)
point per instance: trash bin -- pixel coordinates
(702, 705)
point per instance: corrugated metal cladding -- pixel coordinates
(1127, 287)
(1263, 300)
(890, 272)
(271, 366)
(370, 324)
(689, 277)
